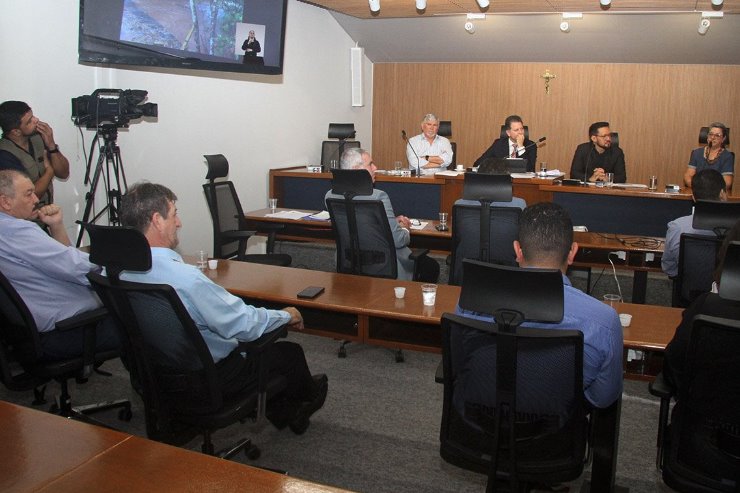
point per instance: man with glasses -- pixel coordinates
(594, 159)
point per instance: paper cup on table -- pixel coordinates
(400, 292)
(625, 319)
(213, 264)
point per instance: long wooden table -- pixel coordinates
(594, 252)
(47, 453)
(364, 309)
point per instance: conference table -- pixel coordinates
(365, 309)
(641, 254)
(48, 453)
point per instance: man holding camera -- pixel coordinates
(28, 145)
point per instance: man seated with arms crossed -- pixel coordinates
(47, 272)
(546, 242)
(515, 145)
(223, 319)
(593, 160)
(30, 142)
(434, 152)
(708, 184)
(356, 158)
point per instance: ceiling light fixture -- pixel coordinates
(565, 26)
(470, 27)
(605, 3)
(716, 3)
(421, 4)
(485, 3)
(374, 5)
(704, 26)
(572, 15)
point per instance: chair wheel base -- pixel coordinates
(400, 358)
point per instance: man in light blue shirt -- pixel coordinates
(47, 273)
(707, 184)
(546, 242)
(223, 319)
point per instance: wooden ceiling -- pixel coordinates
(407, 8)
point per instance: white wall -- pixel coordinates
(258, 122)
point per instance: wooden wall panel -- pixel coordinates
(657, 109)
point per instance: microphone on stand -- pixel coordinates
(403, 136)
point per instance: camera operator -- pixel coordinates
(29, 142)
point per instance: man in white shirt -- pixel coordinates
(431, 152)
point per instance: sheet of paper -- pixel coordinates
(421, 225)
(319, 216)
(448, 173)
(287, 215)
(529, 174)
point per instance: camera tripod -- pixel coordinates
(110, 167)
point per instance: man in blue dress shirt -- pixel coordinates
(546, 242)
(223, 319)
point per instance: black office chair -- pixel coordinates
(20, 345)
(704, 131)
(230, 234)
(171, 361)
(331, 150)
(513, 397)
(482, 232)
(445, 130)
(697, 259)
(715, 216)
(362, 233)
(700, 449)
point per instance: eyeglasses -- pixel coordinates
(719, 136)
(604, 136)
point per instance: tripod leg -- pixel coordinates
(90, 196)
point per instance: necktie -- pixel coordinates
(513, 152)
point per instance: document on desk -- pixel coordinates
(421, 225)
(295, 215)
(319, 216)
(528, 174)
(448, 173)
(630, 185)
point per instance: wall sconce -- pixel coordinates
(374, 5)
(565, 19)
(705, 22)
(469, 26)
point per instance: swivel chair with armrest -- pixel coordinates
(331, 150)
(700, 449)
(365, 244)
(171, 361)
(513, 397)
(230, 234)
(445, 130)
(21, 344)
(483, 232)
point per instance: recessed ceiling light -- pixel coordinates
(374, 5)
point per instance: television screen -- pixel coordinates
(225, 35)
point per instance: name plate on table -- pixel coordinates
(313, 169)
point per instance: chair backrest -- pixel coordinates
(332, 150)
(173, 363)
(705, 440)
(362, 232)
(445, 130)
(513, 396)
(729, 286)
(226, 215)
(118, 248)
(704, 131)
(482, 232)
(18, 332)
(697, 259)
(715, 215)
(503, 132)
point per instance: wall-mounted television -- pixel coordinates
(224, 35)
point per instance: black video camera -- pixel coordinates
(111, 107)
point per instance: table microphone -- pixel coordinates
(403, 135)
(539, 141)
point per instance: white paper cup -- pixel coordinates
(213, 264)
(459, 167)
(625, 319)
(400, 292)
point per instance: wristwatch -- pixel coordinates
(55, 149)
(426, 157)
